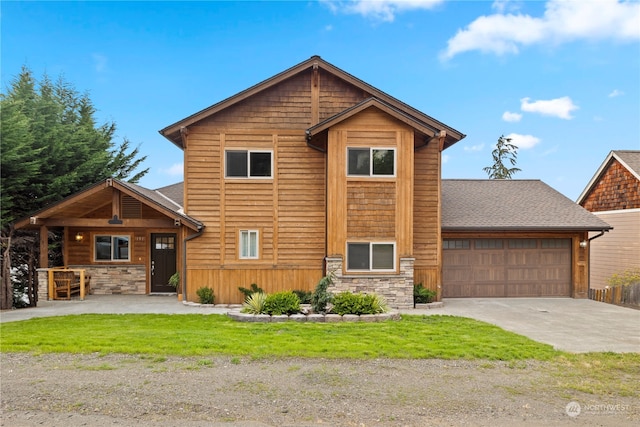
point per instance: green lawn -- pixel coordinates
(413, 337)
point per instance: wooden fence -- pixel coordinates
(628, 295)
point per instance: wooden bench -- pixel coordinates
(67, 284)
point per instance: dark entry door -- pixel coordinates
(163, 261)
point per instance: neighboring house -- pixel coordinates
(314, 171)
(613, 194)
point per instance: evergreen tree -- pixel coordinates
(504, 151)
(51, 147)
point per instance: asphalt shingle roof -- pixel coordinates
(511, 205)
(631, 158)
(175, 192)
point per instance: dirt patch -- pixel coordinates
(93, 390)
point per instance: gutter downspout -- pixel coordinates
(598, 235)
(184, 261)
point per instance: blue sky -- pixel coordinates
(561, 78)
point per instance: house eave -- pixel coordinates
(172, 132)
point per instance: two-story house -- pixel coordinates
(314, 171)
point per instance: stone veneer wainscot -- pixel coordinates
(105, 279)
(396, 288)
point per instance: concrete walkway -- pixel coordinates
(567, 324)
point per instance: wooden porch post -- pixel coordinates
(44, 257)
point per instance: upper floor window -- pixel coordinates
(371, 161)
(248, 244)
(111, 248)
(371, 256)
(248, 164)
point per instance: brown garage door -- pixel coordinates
(506, 268)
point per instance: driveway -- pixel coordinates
(574, 325)
(567, 324)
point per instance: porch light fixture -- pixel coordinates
(79, 237)
(583, 244)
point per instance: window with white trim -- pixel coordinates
(248, 164)
(249, 244)
(371, 256)
(111, 248)
(367, 161)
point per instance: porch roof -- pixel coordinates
(76, 209)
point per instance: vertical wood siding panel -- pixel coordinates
(426, 202)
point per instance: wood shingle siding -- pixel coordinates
(617, 189)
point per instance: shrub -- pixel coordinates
(422, 295)
(254, 303)
(349, 303)
(247, 292)
(205, 295)
(282, 303)
(627, 277)
(174, 280)
(321, 296)
(305, 296)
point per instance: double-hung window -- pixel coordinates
(248, 164)
(371, 161)
(249, 244)
(371, 256)
(111, 248)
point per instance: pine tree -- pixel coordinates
(52, 147)
(504, 151)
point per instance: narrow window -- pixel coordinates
(248, 244)
(371, 161)
(111, 248)
(455, 244)
(371, 256)
(248, 164)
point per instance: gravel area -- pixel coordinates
(124, 390)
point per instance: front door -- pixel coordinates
(163, 261)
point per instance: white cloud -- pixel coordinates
(559, 107)
(445, 158)
(478, 147)
(506, 5)
(175, 169)
(523, 142)
(615, 93)
(508, 116)
(99, 62)
(562, 22)
(382, 10)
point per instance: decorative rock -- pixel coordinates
(329, 318)
(315, 317)
(298, 317)
(351, 318)
(369, 317)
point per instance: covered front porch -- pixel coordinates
(117, 238)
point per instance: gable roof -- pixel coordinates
(394, 112)
(152, 198)
(629, 159)
(173, 132)
(174, 192)
(511, 205)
